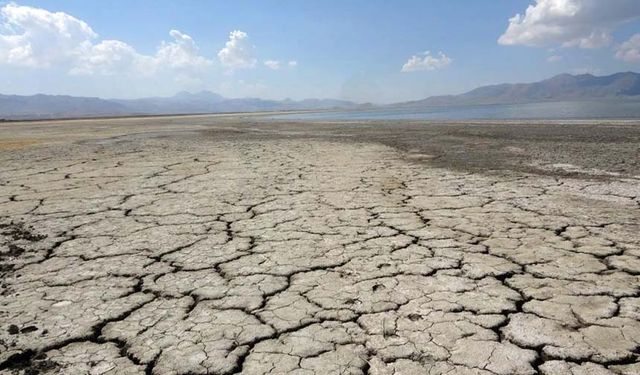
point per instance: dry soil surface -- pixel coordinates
(230, 245)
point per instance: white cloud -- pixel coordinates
(238, 52)
(569, 23)
(426, 62)
(272, 64)
(629, 50)
(42, 39)
(39, 38)
(115, 57)
(109, 57)
(181, 53)
(277, 64)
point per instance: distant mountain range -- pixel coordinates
(61, 106)
(563, 87)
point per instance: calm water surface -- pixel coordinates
(557, 110)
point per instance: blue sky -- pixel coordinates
(358, 50)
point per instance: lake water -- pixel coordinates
(556, 110)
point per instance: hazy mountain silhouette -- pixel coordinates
(60, 106)
(55, 106)
(563, 87)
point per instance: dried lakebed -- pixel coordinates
(198, 252)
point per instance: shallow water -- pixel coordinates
(555, 110)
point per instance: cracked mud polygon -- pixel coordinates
(225, 245)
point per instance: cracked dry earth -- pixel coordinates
(193, 256)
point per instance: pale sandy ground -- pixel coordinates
(192, 245)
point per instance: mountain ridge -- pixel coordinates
(562, 87)
(42, 106)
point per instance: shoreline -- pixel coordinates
(583, 148)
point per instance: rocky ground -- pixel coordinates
(208, 245)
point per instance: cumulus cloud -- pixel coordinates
(629, 50)
(181, 53)
(426, 62)
(238, 52)
(39, 38)
(108, 57)
(42, 39)
(112, 56)
(569, 23)
(293, 63)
